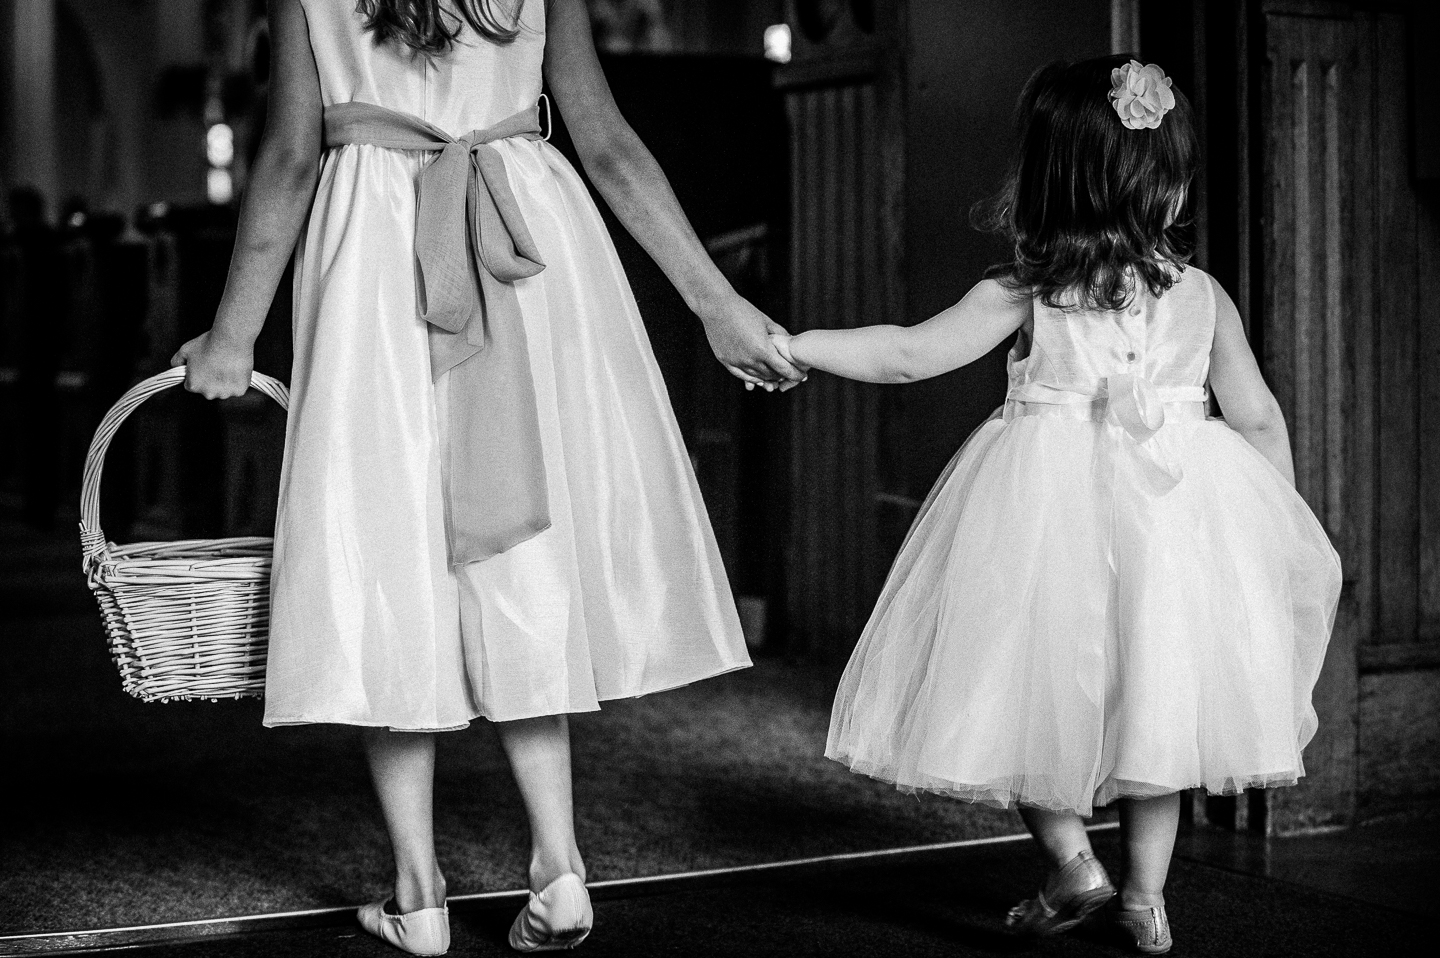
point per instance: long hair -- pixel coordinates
(424, 27)
(1092, 208)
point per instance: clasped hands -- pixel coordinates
(751, 346)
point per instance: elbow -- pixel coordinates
(907, 362)
(1265, 421)
(607, 155)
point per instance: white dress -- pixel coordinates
(624, 594)
(1082, 612)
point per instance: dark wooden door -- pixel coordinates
(1349, 300)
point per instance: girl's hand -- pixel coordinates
(214, 367)
(739, 334)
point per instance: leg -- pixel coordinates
(539, 751)
(402, 766)
(1060, 835)
(1147, 829)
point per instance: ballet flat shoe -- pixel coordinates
(1147, 929)
(1070, 895)
(556, 918)
(423, 932)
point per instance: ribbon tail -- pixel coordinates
(1133, 403)
(1162, 472)
(502, 499)
(449, 298)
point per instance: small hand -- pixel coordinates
(738, 334)
(215, 368)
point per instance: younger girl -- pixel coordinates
(1107, 596)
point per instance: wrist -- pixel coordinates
(795, 346)
(231, 336)
(709, 301)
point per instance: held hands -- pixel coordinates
(741, 337)
(781, 342)
(216, 368)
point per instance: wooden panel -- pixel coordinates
(1395, 285)
(1304, 344)
(1316, 87)
(1399, 739)
(837, 281)
(1428, 401)
(1351, 270)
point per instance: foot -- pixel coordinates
(1070, 895)
(1146, 928)
(558, 917)
(422, 932)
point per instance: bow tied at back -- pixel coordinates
(471, 247)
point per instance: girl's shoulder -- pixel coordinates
(1195, 290)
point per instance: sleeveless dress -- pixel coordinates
(1089, 607)
(624, 594)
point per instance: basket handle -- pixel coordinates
(92, 539)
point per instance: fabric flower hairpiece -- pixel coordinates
(1141, 95)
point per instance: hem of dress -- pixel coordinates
(994, 797)
(517, 717)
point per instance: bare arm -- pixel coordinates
(281, 189)
(634, 186)
(901, 354)
(1249, 406)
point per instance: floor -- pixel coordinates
(111, 829)
(952, 906)
(133, 813)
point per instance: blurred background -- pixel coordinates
(829, 153)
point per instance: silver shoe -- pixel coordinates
(1147, 928)
(1070, 895)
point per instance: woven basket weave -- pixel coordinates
(185, 620)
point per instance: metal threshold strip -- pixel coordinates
(104, 939)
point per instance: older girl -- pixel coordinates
(486, 508)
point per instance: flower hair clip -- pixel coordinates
(1141, 95)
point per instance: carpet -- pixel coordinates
(122, 812)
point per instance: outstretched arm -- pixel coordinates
(1249, 406)
(281, 189)
(901, 354)
(631, 182)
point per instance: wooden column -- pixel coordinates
(1318, 169)
(843, 99)
(29, 106)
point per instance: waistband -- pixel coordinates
(1097, 410)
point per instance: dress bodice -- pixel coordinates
(1068, 355)
(473, 86)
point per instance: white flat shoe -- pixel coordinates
(557, 918)
(423, 932)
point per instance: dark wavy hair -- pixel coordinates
(424, 27)
(1091, 207)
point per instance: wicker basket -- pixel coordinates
(185, 620)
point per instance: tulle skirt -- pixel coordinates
(623, 595)
(1059, 633)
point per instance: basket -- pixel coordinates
(184, 620)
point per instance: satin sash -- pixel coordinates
(1134, 404)
(471, 245)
